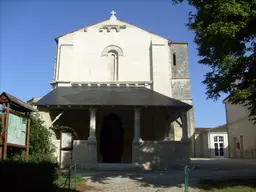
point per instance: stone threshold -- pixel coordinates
(117, 166)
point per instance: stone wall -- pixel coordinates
(82, 156)
(160, 155)
(180, 88)
(148, 155)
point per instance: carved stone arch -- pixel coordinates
(112, 48)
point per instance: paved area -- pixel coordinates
(171, 181)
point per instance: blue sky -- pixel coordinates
(27, 46)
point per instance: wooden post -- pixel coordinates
(6, 130)
(2, 133)
(27, 137)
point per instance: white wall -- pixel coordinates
(79, 55)
(240, 126)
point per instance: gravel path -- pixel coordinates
(171, 181)
(137, 181)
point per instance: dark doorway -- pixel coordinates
(111, 139)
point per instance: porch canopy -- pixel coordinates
(109, 96)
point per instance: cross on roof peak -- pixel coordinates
(113, 15)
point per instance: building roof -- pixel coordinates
(33, 100)
(108, 96)
(15, 103)
(226, 99)
(201, 130)
(56, 39)
(221, 128)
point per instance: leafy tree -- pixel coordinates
(225, 33)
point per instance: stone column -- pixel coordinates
(137, 141)
(171, 131)
(184, 120)
(91, 160)
(137, 137)
(92, 124)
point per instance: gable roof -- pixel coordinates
(57, 38)
(221, 128)
(15, 103)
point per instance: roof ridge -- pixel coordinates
(56, 39)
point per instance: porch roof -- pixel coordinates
(108, 96)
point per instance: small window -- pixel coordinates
(220, 138)
(174, 59)
(215, 138)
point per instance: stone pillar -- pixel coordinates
(91, 162)
(137, 137)
(137, 141)
(92, 124)
(184, 120)
(171, 132)
(170, 128)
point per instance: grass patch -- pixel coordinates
(77, 184)
(233, 185)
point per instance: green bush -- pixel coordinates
(41, 147)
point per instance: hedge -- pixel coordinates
(23, 176)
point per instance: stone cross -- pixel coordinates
(113, 15)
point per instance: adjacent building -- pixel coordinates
(241, 131)
(211, 142)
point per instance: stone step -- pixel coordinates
(116, 166)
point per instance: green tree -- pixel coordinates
(225, 33)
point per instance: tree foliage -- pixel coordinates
(225, 33)
(41, 147)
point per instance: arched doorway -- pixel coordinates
(111, 139)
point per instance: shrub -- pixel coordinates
(41, 147)
(27, 176)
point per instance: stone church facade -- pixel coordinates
(126, 93)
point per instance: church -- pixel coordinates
(126, 93)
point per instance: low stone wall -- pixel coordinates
(160, 155)
(82, 156)
(147, 155)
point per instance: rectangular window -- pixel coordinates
(215, 138)
(220, 138)
(174, 59)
